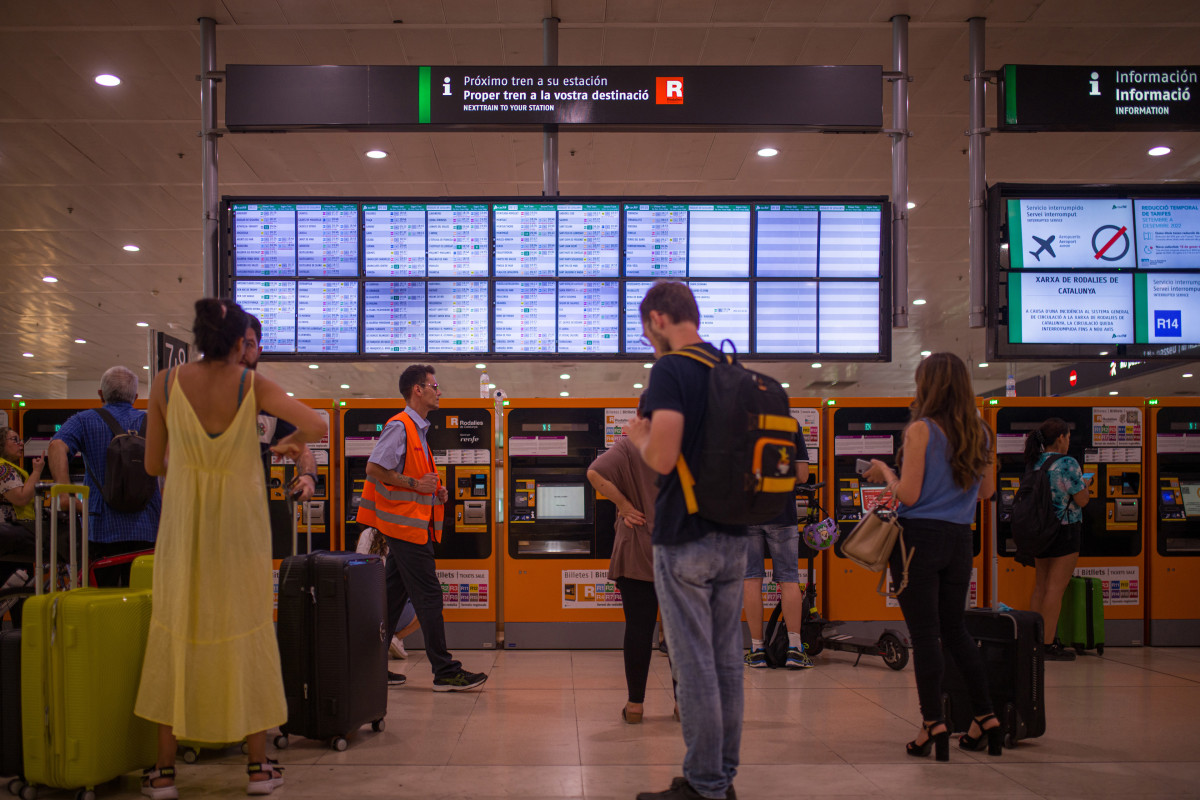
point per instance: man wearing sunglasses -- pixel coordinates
(404, 500)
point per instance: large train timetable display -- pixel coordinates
(530, 277)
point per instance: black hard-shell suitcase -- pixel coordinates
(1011, 645)
(333, 642)
(11, 749)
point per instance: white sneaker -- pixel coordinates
(396, 649)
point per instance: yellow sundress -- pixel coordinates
(212, 662)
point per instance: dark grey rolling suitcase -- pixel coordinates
(333, 642)
(1011, 645)
(11, 750)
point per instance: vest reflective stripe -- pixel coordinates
(400, 512)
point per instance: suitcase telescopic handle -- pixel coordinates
(293, 506)
(57, 491)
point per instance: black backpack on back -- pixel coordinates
(1034, 522)
(127, 487)
(745, 474)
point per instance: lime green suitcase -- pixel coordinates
(81, 663)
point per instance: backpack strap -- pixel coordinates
(698, 353)
(111, 421)
(1045, 467)
(686, 481)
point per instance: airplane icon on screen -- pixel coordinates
(1045, 245)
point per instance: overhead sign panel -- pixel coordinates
(1107, 98)
(276, 98)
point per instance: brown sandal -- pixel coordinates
(631, 717)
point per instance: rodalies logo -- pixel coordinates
(668, 91)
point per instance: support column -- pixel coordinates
(208, 155)
(978, 187)
(550, 132)
(900, 136)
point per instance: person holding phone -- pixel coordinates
(1069, 492)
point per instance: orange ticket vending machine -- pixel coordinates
(867, 428)
(1173, 520)
(1107, 437)
(559, 532)
(461, 437)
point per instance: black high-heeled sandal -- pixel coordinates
(940, 742)
(994, 737)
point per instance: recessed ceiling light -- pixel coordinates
(1112, 393)
(27, 355)
(345, 386)
(983, 364)
(289, 394)
(926, 353)
(647, 366)
(314, 366)
(50, 279)
(816, 365)
(564, 394)
(911, 204)
(376, 154)
(108, 80)
(1187, 374)
(565, 376)
(18, 395)
(81, 341)
(919, 301)
(481, 366)
(1103, 352)
(768, 152)
(145, 366)
(491, 386)
(786, 385)
(638, 386)
(1159, 151)
(143, 324)
(1004, 247)
(131, 248)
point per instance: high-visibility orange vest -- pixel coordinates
(398, 511)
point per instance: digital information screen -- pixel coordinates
(589, 316)
(526, 241)
(1073, 307)
(540, 277)
(394, 241)
(561, 501)
(394, 317)
(589, 241)
(264, 239)
(526, 319)
(1168, 307)
(274, 303)
(327, 240)
(1077, 233)
(457, 317)
(1168, 233)
(327, 317)
(458, 240)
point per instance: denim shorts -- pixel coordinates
(782, 543)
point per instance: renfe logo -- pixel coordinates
(1168, 323)
(669, 91)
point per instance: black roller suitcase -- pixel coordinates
(11, 749)
(1011, 645)
(333, 642)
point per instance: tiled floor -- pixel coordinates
(546, 725)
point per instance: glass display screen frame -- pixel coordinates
(877, 283)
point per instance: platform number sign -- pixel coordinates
(1168, 323)
(171, 351)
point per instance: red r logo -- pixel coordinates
(669, 91)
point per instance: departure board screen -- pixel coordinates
(394, 317)
(457, 316)
(543, 276)
(459, 240)
(264, 239)
(589, 240)
(526, 319)
(394, 241)
(327, 240)
(589, 316)
(327, 317)
(274, 303)
(526, 240)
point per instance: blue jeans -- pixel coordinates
(699, 587)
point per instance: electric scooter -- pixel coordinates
(819, 532)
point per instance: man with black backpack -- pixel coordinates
(701, 440)
(124, 501)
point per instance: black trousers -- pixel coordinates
(412, 574)
(639, 601)
(934, 607)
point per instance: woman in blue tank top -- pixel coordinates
(945, 456)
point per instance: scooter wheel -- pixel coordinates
(894, 653)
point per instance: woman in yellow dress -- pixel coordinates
(212, 672)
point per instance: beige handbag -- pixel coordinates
(871, 542)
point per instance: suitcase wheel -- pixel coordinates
(85, 794)
(245, 747)
(339, 743)
(1099, 649)
(190, 755)
(28, 792)
(15, 786)
(1080, 649)
(379, 725)
(1010, 725)
(281, 741)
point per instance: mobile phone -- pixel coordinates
(861, 465)
(1087, 476)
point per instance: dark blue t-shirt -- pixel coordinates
(679, 383)
(788, 516)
